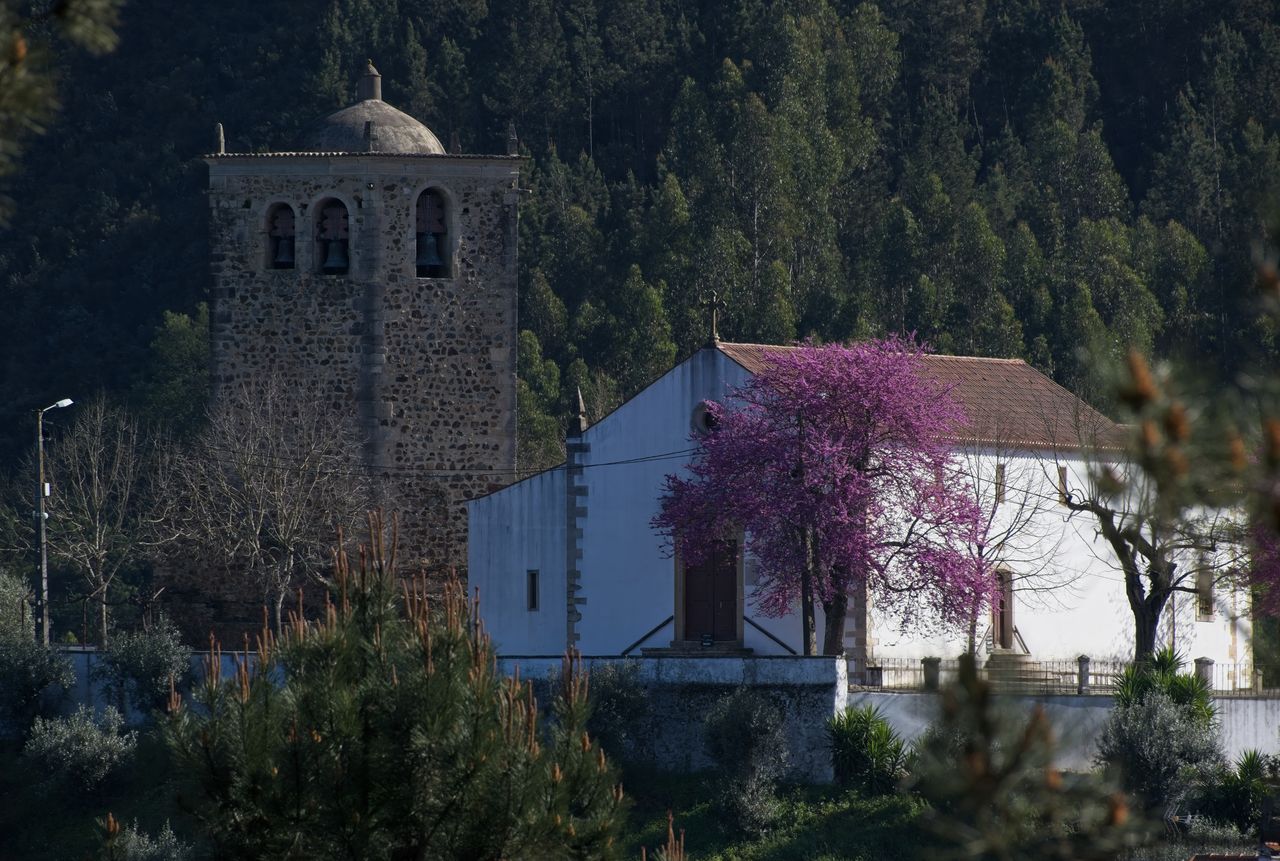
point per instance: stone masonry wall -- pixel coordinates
(425, 367)
(680, 692)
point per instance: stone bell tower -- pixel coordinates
(374, 274)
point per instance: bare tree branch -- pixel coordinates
(266, 486)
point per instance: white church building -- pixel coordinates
(568, 558)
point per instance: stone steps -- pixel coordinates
(695, 647)
(1009, 671)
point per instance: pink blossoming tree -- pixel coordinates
(835, 462)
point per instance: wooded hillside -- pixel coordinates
(1008, 178)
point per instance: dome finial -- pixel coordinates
(370, 84)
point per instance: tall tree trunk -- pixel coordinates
(833, 624)
(279, 610)
(102, 617)
(1146, 623)
(1144, 636)
(807, 621)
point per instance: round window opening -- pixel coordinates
(704, 422)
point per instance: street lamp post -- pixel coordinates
(42, 490)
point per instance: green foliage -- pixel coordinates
(1157, 746)
(1162, 674)
(140, 665)
(991, 181)
(80, 752)
(383, 730)
(16, 621)
(174, 389)
(1233, 794)
(816, 823)
(865, 751)
(995, 793)
(134, 844)
(1200, 838)
(619, 711)
(33, 679)
(33, 36)
(744, 735)
(538, 407)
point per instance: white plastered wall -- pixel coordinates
(511, 532)
(1069, 594)
(1069, 598)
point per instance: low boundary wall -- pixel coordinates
(681, 691)
(1077, 721)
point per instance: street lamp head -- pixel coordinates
(65, 402)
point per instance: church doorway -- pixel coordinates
(1002, 611)
(711, 596)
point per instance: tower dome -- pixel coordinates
(370, 125)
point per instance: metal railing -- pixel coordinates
(1029, 676)
(1234, 679)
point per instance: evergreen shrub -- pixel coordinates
(1163, 674)
(744, 735)
(16, 622)
(1158, 747)
(383, 730)
(81, 751)
(134, 844)
(138, 665)
(866, 753)
(33, 680)
(619, 710)
(1233, 794)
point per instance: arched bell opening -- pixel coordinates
(333, 243)
(432, 260)
(281, 237)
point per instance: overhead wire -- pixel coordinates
(279, 462)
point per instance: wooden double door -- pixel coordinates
(711, 596)
(1002, 611)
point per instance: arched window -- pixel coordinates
(280, 237)
(433, 236)
(332, 238)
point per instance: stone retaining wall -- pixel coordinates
(1245, 722)
(682, 690)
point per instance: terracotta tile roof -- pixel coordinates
(1009, 403)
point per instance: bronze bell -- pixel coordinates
(429, 262)
(283, 258)
(335, 261)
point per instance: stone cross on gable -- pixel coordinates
(715, 305)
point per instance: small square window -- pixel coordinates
(532, 588)
(999, 483)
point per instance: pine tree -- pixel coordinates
(382, 730)
(29, 58)
(642, 346)
(541, 432)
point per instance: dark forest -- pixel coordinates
(1047, 180)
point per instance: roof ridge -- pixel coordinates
(976, 358)
(722, 344)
